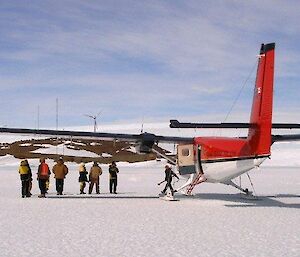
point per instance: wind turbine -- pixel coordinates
(94, 117)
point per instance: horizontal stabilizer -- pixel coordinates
(282, 138)
(236, 125)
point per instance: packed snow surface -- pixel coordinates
(216, 221)
(135, 222)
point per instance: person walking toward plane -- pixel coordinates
(25, 176)
(94, 175)
(113, 177)
(168, 178)
(43, 176)
(60, 171)
(82, 177)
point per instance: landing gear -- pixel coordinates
(244, 190)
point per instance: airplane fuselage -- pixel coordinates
(223, 159)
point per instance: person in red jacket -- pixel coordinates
(43, 176)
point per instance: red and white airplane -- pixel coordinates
(211, 159)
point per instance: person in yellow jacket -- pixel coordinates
(60, 171)
(94, 175)
(25, 176)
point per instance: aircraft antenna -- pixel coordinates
(56, 125)
(240, 92)
(56, 113)
(142, 128)
(38, 117)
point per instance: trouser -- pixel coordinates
(82, 186)
(29, 186)
(47, 184)
(113, 185)
(168, 185)
(25, 188)
(96, 183)
(42, 186)
(59, 186)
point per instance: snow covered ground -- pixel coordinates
(215, 222)
(135, 222)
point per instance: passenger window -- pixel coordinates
(185, 152)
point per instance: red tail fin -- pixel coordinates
(261, 115)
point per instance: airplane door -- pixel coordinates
(186, 159)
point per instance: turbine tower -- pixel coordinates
(94, 117)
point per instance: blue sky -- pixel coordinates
(142, 60)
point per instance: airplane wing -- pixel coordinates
(147, 139)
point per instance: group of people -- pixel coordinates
(60, 170)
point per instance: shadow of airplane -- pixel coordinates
(233, 200)
(238, 200)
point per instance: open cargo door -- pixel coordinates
(186, 159)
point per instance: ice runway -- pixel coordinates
(216, 221)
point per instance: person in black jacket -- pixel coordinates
(29, 178)
(82, 177)
(168, 178)
(113, 177)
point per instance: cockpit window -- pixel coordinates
(185, 152)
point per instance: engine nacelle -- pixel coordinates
(146, 143)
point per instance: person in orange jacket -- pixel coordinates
(60, 171)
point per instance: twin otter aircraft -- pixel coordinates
(211, 159)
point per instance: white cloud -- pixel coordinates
(153, 57)
(209, 90)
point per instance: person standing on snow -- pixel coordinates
(82, 177)
(94, 175)
(25, 176)
(60, 171)
(113, 177)
(29, 179)
(43, 176)
(168, 178)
